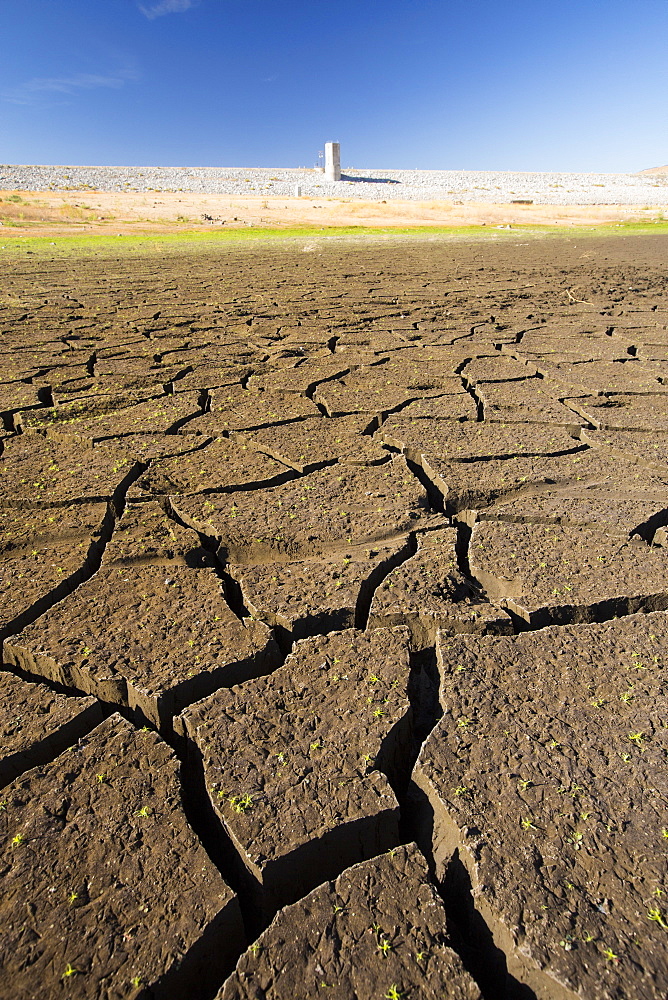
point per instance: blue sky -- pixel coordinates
(440, 84)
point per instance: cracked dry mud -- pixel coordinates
(333, 621)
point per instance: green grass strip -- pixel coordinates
(189, 240)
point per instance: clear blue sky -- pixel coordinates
(442, 84)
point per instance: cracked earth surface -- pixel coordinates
(334, 621)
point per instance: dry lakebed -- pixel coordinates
(334, 620)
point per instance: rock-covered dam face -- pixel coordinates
(334, 622)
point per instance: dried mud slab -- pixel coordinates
(78, 385)
(316, 596)
(451, 406)
(531, 400)
(144, 447)
(107, 891)
(471, 441)
(329, 510)
(405, 369)
(155, 416)
(36, 724)
(314, 441)
(85, 411)
(624, 411)
(35, 471)
(478, 484)
(218, 467)
(547, 775)
(151, 630)
(599, 377)
(581, 346)
(295, 763)
(624, 511)
(650, 447)
(362, 395)
(238, 409)
(392, 931)
(300, 376)
(562, 573)
(474, 465)
(499, 368)
(428, 592)
(17, 396)
(207, 375)
(45, 553)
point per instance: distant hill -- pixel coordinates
(655, 170)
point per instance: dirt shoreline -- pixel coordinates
(53, 213)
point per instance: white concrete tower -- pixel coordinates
(332, 161)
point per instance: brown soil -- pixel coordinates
(246, 495)
(619, 411)
(650, 448)
(45, 551)
(90, 846)
(150, 630)
(559, 573)
(36, 724)
(388, 919)
(546, 778)
(428, 592)
(299, 765)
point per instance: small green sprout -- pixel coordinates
(136, 981)
(373, 678)
(144, 811)
(315, 745)
(384, 946)
(240, 803)
(69, 971)
(255, 947)
(72, 898)
(637, 738)
(462, 790)
(101, 779)
(378, 713)
(18, 840)
(526, 824)
(393, 993)
(610, 955)
(463, 723)
(657, 915)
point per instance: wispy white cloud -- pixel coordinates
(40, 89)
(166, 7)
